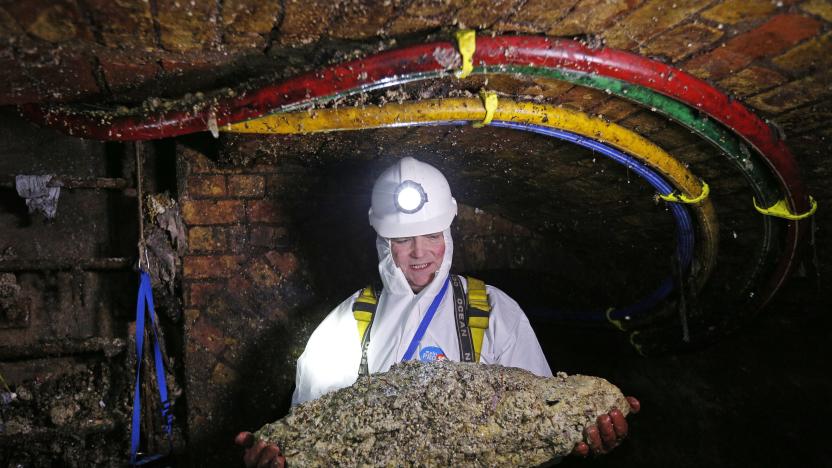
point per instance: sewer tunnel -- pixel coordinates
(642, 180)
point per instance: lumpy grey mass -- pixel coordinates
(444, 413)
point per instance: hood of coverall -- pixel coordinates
(393, 277)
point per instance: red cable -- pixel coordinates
(491, 51)
(391, 66)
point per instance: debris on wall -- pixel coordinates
(40, 197)
(14, 307)
(70, 415)
(165, 239)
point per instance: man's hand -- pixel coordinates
(258, 454)
(609, 430)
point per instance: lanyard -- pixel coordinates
(423, 326)
(145, 299)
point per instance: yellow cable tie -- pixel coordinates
(673, 197)
(781, 209)
(616, 323)
(466, 40)
(490, 101)
(635, 345)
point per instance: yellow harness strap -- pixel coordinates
(478, 312)
(363, 310)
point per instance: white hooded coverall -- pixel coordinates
(333, 354)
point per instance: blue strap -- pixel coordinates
(423, 326)
(145, 300)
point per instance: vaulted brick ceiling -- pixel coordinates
(770, 52)
(771, 55)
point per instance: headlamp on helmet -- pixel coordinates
(410, 197)
(400, 206)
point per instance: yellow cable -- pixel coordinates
(467, 43)
(679, 198)
(490, 101)
(781, 210)
(472, 109)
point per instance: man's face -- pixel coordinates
(418, 257)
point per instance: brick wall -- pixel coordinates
(242, 283)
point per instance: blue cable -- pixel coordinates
(684, 225)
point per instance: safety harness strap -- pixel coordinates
(471, 315)
(466, 345)
(145, 303)
(364, 309)
(479, 311)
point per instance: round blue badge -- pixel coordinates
(432, 353)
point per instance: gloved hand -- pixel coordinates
(609, 430)
(259, 454)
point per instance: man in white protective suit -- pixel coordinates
(415, 315)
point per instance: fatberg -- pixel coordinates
(444, 413)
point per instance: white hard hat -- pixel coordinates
(411, 198)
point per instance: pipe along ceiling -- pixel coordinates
(298, 105)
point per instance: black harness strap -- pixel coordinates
(363, 369)
(466, 346)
